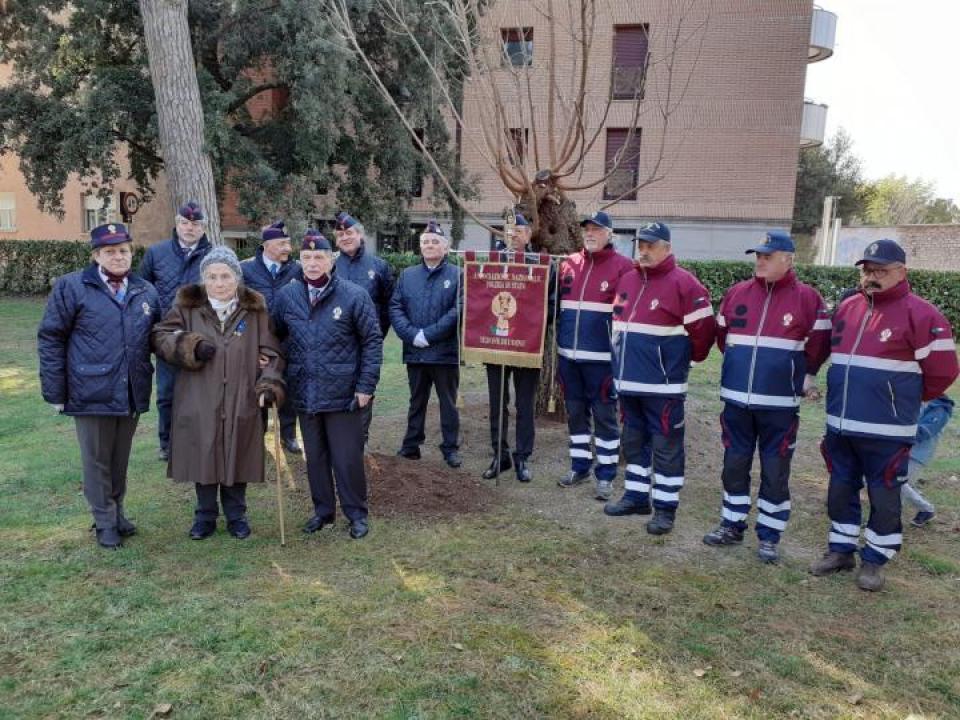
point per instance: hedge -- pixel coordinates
(29, 267)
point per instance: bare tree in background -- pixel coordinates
(556, 101)
(179, 110)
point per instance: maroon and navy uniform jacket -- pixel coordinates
(662, 319)
(588, 281)
(890, 352)
(771, 335)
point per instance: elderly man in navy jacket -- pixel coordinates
(169, 265)
(94, 346)
(424, 312)
(334, 354)
(268, 272)
(359, 265)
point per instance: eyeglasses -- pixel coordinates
(878, 272)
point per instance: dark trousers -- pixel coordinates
(883, 465)
(775, 433)
(105, 443)
(525, 382)
(166, 379)
(653, 434)
(232, 497)
(591, 403)
(332, 443)
(446, 380)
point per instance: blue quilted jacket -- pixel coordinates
(334, 348)
(95, 351)
(428, 300)
(165, 267)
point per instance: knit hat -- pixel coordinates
(224, 255)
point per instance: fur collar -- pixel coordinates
(194, 296)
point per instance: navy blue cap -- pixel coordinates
(344, 221)
(276, 231)
(598, 218)
(776, 241)
(883, 252)
(522, 221)
(433, 228)
(314, 240)
(654, 232)
(192, 211)
(112, 234)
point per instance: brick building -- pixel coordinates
(731, 149)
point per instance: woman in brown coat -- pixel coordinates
(219, 335)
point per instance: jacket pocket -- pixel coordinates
(94, 383)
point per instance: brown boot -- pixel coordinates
(832, 562)
(870, 577)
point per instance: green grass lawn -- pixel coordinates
(538, 608)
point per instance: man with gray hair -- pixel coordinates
(169, 265)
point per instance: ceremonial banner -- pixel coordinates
(505, 308)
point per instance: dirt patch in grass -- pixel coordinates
(422, 488)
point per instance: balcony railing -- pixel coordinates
(823, 35)
(813, 127)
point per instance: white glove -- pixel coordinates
(420, 340)
(57, 408)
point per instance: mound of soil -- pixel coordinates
(422, 488)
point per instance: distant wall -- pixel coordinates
(929, 247)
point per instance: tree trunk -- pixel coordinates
(179, 110)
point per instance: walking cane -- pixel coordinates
(552, 401)
(276, 462)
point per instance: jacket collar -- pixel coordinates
(202, 244)
(91, 276)
(194, 296)
(263, 262)
(358, 254)
(423, 264)
(898, 291)
(662, 268)
(599, 255)
(786, 281)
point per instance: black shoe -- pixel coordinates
(291, 445)
(163, 454)
(109, 538)
(239, 528)
(524, 474)
(203, 529)
(125, 527)
(626, 506)
(661, 524)
(409, 453)
(573, 478)
(317, 523)
(359, 528)
(496, 468)
(724, 535)
(453, 459)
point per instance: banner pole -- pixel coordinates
(552, 401)
(501, 410)
(460, 328)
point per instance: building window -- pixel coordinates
(519, 139)
(623, 153)
(98, 211)
(8, 212)
(517, 46)
(630, 53)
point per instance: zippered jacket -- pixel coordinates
(662, 320)
(588, 283)
(890, 352)
(771, 335)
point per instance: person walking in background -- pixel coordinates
(934, 418)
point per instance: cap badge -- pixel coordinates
(111, 228)
(872, 250)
